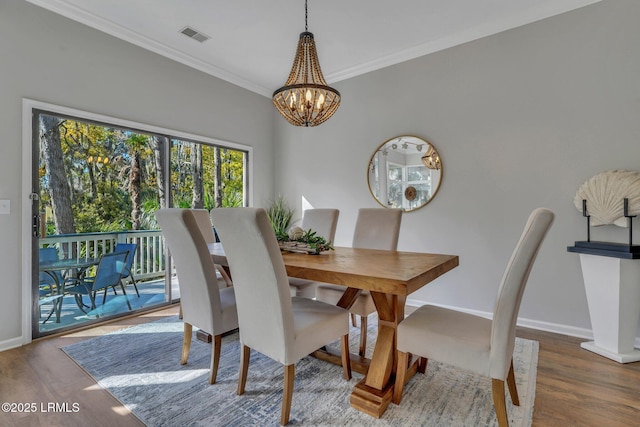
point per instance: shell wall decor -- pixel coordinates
(605, 194)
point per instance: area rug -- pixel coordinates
(140, 366)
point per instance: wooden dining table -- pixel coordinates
(390, 276)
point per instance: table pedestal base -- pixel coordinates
(370, 400)
(203, 336)
(359, 364)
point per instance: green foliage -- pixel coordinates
(308, 241)
(98, 161)
(149, 207)
(182, 203)
(280, 215)
(232, 199)
(208, 200)
(102, 213)
(231, 175)
(314, 241)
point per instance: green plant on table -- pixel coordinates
(298, 238)
(280, 216)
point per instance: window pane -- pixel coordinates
(99, 189)
(206, 176)
(99, 186)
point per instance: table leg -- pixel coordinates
(374, 392)
(359, 364)
(57, 302)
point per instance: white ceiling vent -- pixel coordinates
(194, 34)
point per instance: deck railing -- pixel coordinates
(148, 260)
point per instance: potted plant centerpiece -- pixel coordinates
(299, 240)
(293, 239)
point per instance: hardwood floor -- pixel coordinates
(574, 386)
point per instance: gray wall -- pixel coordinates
(52, 59)
(521, 119)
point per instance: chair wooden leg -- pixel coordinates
(216, 343)
(363, 336)
(180, 312)
(245, 352)
(401, 372)
(289, 375)
(497, 389)
(422, 365)
(353, 320)
(346, 358)
(511, 382)
(186, 343)
(225, 276)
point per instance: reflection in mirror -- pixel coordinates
(405, 172)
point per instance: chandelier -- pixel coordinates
(305, 99)
(431, 159)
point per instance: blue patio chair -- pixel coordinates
(48, 255)
(49, 284)
(127, 273)
(108, 274)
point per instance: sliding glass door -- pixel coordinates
(96, 188)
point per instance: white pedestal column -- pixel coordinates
(613, 295)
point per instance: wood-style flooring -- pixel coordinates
(574, 386)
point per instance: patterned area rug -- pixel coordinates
(140, 366)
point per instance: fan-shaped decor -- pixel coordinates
(605, 194)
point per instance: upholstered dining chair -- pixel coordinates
(204, 223)
(280, 326)
(323, 222)
(471, 342)
(203, 219)
(376, 228)
(204, 304)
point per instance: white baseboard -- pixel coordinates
(11, 343)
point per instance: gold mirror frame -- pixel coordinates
(413, 173)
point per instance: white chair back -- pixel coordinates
(260, 280)
(322, 221)
(514, 280)
(197, 279)
(377, 228)
(204, 223)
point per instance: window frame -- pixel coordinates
(30, 110)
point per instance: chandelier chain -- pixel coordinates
(306, 27)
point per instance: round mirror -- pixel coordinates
(405, 172)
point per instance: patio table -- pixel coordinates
(78, 267)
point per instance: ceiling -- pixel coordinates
(252, 42)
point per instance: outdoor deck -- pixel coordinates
(151, 294)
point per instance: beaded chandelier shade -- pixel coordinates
(431, 159)
(305, 99)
